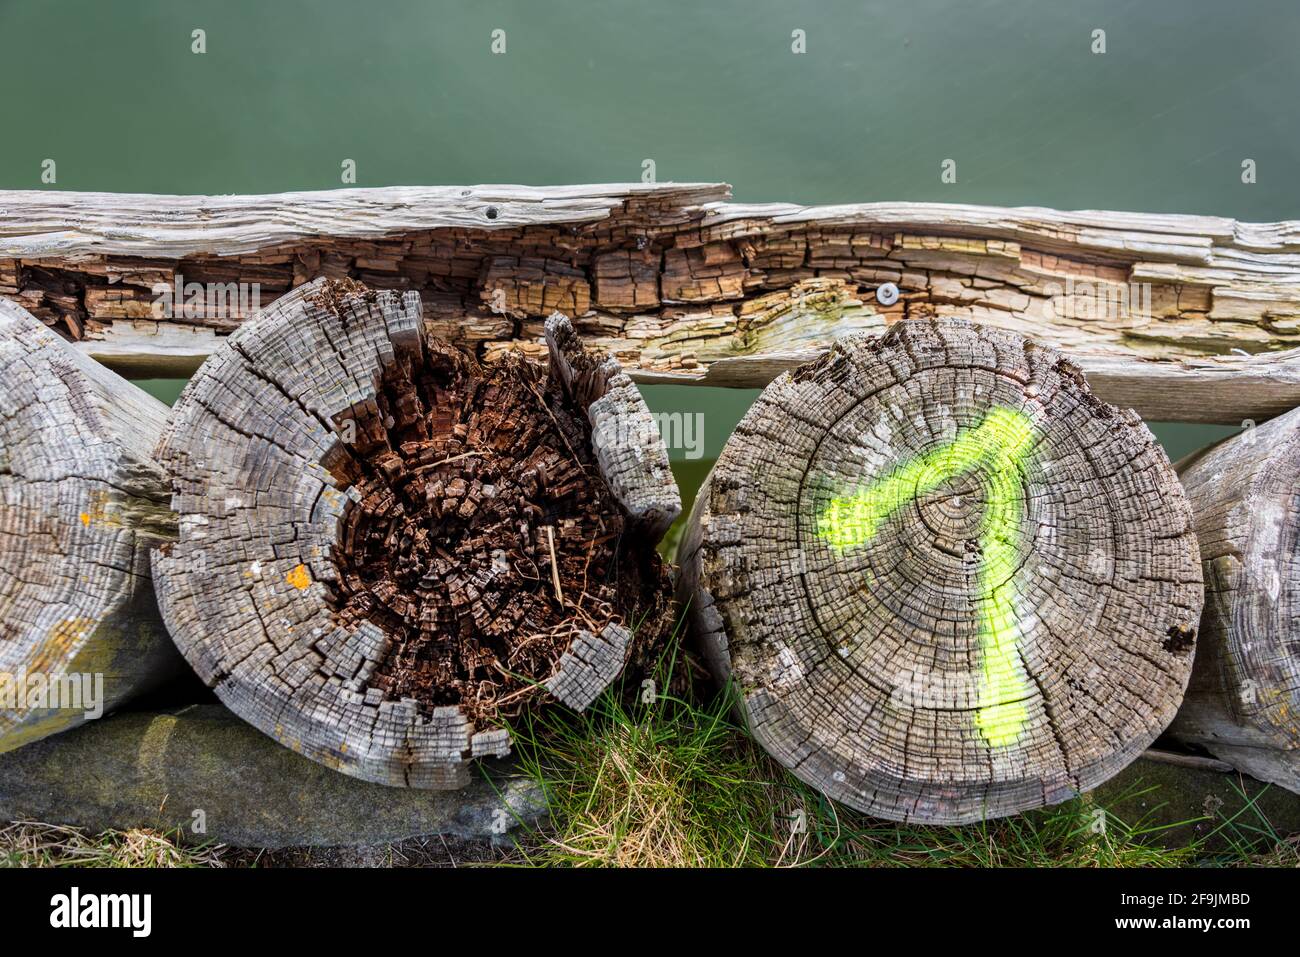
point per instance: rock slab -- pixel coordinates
(140, 769)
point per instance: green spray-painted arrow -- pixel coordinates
(1000, 448)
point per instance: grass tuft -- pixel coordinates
(670, 780)
(654, 782)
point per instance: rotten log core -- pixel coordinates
(482, 538)
(386, 548)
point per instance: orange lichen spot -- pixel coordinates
(100, 511)
(299, 578)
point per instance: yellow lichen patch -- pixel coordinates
(18, 729)
(61, 644)
(299, 578)
(293, 744)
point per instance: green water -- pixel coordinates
(586, 91)
(410, 90)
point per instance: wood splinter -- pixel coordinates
(372, 503)
(555, 568)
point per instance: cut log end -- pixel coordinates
(81, 505)
(949, 583)
(403, 546)
(1243, 703)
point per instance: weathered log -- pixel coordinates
(386, 548)
(1243, 702)
(81, 504)
(948, 582)
(681, 286)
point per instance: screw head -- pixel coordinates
(887, 294)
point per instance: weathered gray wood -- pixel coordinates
(590, 666)
(948, 582)
(46, 224)
(265, 447)
(1243, 703)
(684, 287)
(81, 504)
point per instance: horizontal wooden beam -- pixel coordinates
(38, 224)
(1191, 318)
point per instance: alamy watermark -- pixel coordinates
(211, 300)
(1098, 300)
(38, 691)
(678, 431)
(74, 910)
(934, 690)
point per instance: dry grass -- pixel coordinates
(32, 844)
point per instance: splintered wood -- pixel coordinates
(81, 504)
(949, 583)
(1243, 703)
(402, 546)
(1192, 318)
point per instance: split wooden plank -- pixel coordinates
(1195, 318)
(948, 582)
(81, 504)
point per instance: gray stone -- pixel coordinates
(1183, 804)
(156, 770)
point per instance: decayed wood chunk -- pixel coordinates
(626, 280)
(405, 547)
(81, 504)
(703, 274)
(1181, 317)
(534, 287)
(1243, 704)
(948, 581)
